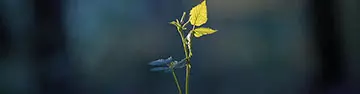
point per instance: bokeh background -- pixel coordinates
(103, 47)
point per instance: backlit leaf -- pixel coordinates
(198, 14)
(198, 32)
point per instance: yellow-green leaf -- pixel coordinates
(198, 14)
(177, 24)
(198, 32)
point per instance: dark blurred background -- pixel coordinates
(103, 47)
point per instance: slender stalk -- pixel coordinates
(188, 67)
(187, 22)
(182, 17)
(186, 49)
(176, 81)
(187, 60)
(184, 44)
(187, 79)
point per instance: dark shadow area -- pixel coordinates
(4, 38)
(53, 69)
(329, 45)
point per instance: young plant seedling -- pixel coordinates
(198, 17)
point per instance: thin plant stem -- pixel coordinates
(186, 49)
(184, 43)
(182, 17)
(187, 79)
(177, 82)
(187, 22)
(187, 58)
(188, 67)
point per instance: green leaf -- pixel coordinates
(198, 14)
(177, 24)
(198, 32)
